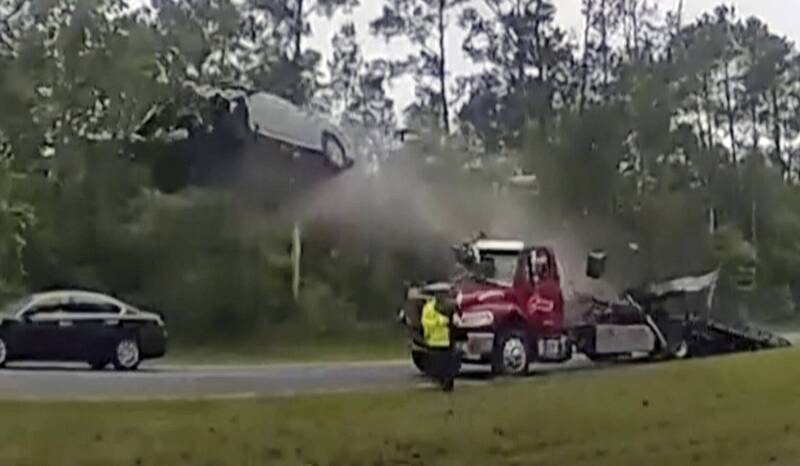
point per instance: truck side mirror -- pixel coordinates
(463, 255)
(596, 264)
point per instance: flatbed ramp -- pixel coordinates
(712, 337)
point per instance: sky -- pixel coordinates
(783, 17)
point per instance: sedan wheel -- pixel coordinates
(3, 353)
(126, 355)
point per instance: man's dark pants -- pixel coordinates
(444, 366)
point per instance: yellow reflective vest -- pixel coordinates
(435, 326)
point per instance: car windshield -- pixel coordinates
(15, 306)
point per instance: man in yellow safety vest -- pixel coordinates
(436, 328)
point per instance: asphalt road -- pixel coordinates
(159, 381)
(154, 381)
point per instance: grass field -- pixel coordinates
(742, 410)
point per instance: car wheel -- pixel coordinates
(334, 151)
(3, 352)
(126, 355)
(511, 356)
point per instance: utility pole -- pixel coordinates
(297, 247)
(754, 224)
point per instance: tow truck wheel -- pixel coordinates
(511, 356)
(681, 351)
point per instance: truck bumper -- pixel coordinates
(476, 347)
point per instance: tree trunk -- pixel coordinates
(537, 31)
(604, 41)
(754, 118)
(777, 134)
(519, 53)
(634, 12)
(298, 31)
(730, 113)
(676, 32)
(701, 130)
(442, 69)
(585, 60)
(754, 223)
(708, 109)
(626, 29)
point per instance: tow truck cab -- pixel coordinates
(511, 305)
(511, 313)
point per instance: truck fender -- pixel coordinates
(515, 322)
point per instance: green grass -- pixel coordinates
(731, 411)
(380, 344)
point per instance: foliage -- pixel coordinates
(424, 23)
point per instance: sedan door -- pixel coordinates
(39, 335)
(93, 330)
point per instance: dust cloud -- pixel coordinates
(406, 206)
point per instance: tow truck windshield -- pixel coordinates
(504, 266)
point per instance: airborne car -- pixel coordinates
(80, 326)
(234, 138)
(271, 116)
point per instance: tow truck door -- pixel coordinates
(539, 291)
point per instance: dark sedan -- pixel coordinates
(80, 326)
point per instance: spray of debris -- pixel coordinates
(403, 206)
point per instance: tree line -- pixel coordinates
(672, 141)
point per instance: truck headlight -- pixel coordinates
(475, 320)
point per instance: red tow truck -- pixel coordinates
(511, 313)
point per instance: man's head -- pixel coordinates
(448, 302)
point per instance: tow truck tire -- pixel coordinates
(511, 356)
(682, 351)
